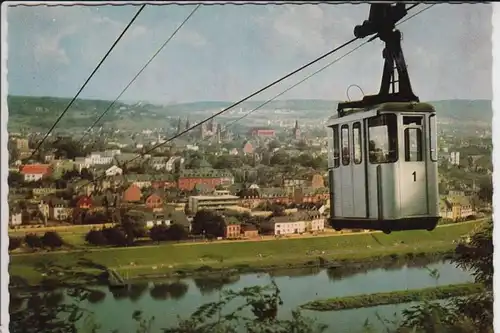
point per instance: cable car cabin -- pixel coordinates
(383, 168)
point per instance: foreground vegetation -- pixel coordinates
(394, 297)
(144, 261)
(471, 314)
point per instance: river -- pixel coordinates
(297, 287)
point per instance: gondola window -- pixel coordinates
(383, 139)
(346, 149)
(413, 145)
(356, 138)
(333, 158)
(433, 137)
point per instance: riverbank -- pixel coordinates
(395, 297)
(184, 260)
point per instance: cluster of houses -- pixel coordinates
(457, 206)
(158, 198)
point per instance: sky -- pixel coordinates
(226, 52)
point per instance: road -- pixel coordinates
(329, 233)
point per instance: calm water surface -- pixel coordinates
(297, 287)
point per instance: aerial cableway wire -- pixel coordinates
(139, 73)
(242, 100)
(88, 79)
(318, 71)
(236, 103)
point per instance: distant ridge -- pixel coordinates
(41, 111)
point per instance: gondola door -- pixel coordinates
(413, 177)
(358, 168)
(346, 177)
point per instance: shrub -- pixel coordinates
(115, 236)
(52, 239)
(158, 233)
(15, 243)
(176, 232)
(96, 237)
(33, 241)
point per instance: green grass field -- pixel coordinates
(165, 258)
(394, 297)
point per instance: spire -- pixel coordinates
(296, 130)
(179, 126)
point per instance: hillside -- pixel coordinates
(41, 112)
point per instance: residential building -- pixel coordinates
(84, 202)
(158, 162)
(59, 210)
(188, 179)
(154, 201)
(317, 181)
(21, 144)
(113, 171)
(132, 194)
(212, 202)
(34, 172)
(101, 158)
(297, 223)
(16, 217)
(43, 191)
(249, 231)
(248, 148)
(456, 207)
(233, 228)
(170, 165)
(262, 132)
(139, 180)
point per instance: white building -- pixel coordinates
(113, 171)
(16, 218)
(298, 223)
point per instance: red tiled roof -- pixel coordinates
(35, 169)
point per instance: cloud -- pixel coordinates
(48, 48)
(191, 37)
(308, 29)
(225, 52)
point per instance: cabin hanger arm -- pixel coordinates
(381, 23)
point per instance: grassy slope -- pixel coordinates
(170, 257)
(394, 297)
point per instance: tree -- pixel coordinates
(176, 232)
(15, 179)
(208, 223)
(273, 144)
(52, 239)
(115, 236)
(15, 243)
(302, 145)
(96, 237)
(86, 174)
(33, 241)
(280, 158)
(158, 233)
(486, 191)
(133, 228)
(277, 210)
(468, 314)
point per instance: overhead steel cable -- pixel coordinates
(319, 70)
(88, 79)
(248, 97)
(237, 103)
(140, 72)
(245, 99)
